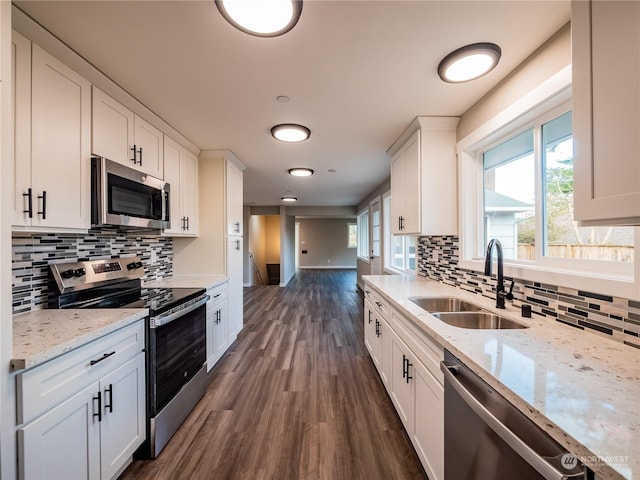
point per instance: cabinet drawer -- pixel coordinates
(45, 386)
(218, 295)
(380, 304)
(423, 346)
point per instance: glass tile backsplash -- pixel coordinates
(612, 317)
(32, 252)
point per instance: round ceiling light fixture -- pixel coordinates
(262, 18)
(300, 172)
(469, 62)
(290, 132)
(289, 198)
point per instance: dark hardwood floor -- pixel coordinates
(296, 397)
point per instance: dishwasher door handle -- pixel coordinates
(543, 467)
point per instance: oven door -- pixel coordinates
(177, 351)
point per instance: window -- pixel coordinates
(363, 235)
(352, 235)
(543, 155)
(399, 251)
(516, 184)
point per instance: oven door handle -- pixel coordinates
(164, 319)
(544, 468)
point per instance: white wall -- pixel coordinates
(287, 247)
(272, 239)
(325, 240)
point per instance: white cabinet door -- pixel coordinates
(386, 353)
(181, 171)
(21, 108)
(606, 115)
(402, 390)
(234, 200)
(405, 188)
(123, 427)
(112, 129)
(397, 192)
(369, 326)
(60, 144)
(221, 330)
(428, 436)
(172, 159)
(235, 273)
(189, 191)
(64, 443)
(148, 142)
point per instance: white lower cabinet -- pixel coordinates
(94, 431)
(408, 363)
(218, 329)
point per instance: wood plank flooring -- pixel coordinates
(296, 397)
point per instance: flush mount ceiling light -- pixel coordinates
(262, 18)
(469, 62)
(300, 172)
(289, 199)
(290, 132)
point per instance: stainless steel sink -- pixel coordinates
(477, 320)
(444, 304)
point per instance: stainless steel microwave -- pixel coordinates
(124, 197)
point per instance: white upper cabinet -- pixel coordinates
(424, 178)
(125, 138)
(606, 94)
(52, 108)
(181, 171)
(234, 193)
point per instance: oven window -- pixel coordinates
(134, 199)
(180, 353)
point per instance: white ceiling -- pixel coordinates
(356, 72)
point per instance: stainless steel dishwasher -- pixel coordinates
(487, 438)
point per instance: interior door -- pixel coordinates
(376, 234)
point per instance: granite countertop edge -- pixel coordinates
(42, 335)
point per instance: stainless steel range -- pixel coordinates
(175, 334)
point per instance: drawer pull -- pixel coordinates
(104, 357)
(379, 304)
(217, 295)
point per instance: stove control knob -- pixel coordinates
(80, 272)
(138, 264)
(67, 273)
(131, 266)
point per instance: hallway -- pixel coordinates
(296, 397)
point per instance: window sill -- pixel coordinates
(621, 286)
(363, 259)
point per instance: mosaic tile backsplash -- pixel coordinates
(31, 254)
(612, 317)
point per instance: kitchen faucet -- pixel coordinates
(500, 292)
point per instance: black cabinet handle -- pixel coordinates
(44, 204)
(134, 159)
(188, 224)
(378, 333)
(379, 304)
(29, 209)
(104, 357)
(140, 152)
(184, 223)
(369, 316)
(217, 295)
(237, 244)
(405, 368)
(237, 228)
(99, 414)
(110, 404)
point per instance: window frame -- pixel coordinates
(543, 103)
(363, 233)
(349, 225)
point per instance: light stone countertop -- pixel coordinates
(188, 281)
(41, 335)
(582, 389)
